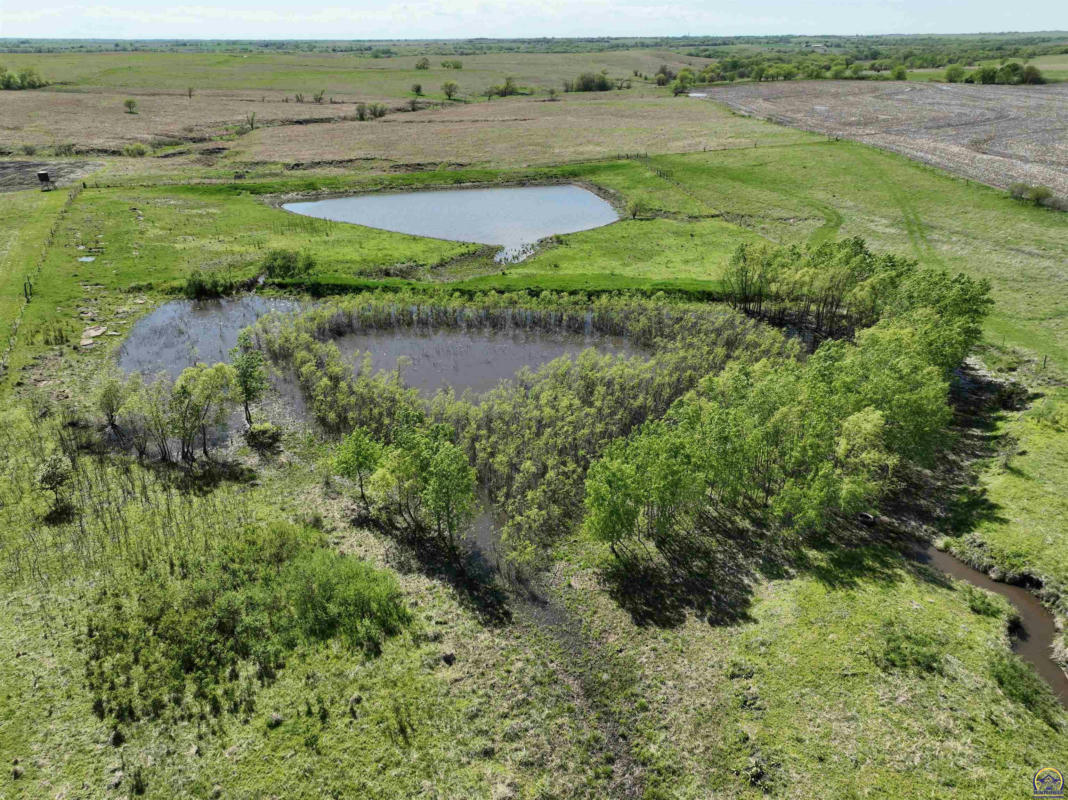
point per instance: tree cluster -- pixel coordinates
(792, 446)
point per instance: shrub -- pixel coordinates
(205, 631)
(64, 149)
(201, 285)
(335, 595)
(263, 437)
(983, 603)
(450, 89)
(135, 150)
(417, 89)
(589, 82)
(1038, 195)
(954, 73)
(287, 264)
(423, 63)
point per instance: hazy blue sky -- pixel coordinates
(367, 19)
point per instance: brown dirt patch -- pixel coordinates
(518, 132)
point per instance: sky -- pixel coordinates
(419, 19)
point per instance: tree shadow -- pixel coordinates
(710, 570)
(475, 584)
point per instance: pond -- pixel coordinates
(180, 333)
(470, 358)
(513, 217)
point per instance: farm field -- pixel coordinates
(996, 135)
(367, 592)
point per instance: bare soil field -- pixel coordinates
(18, 175)
(517, 132)
(96, 121)
(997, 135)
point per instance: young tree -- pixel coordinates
(202, 397)
(417, 89)
(449, 491)
(450, 89)
(250, 373)
(423, 63)
(131, 105)
(357, 458)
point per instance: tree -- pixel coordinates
(449, 491)
(423, 63)
(954, 73)
(202, 397)
(1032, 75)
(357, 458)
(250, 373)
(131, 105)
(450, 89)
(109, 396)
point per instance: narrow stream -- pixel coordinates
(1033, 638)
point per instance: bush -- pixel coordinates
(983, 603)
(201, 285)
(64, 149)
(1038, 195)
(287, 264)
(335, 595)
(263, 437)
(589, 82)
(135, 150)
(954, 73)
(423, 63)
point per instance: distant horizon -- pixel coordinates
(421, 20)
(574, 37)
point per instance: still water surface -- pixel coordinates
(513, 217)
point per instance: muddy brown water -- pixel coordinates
(470, 359)
(514, 217)
(1032, 638)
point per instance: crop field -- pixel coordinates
(680, 569)
(992, 134)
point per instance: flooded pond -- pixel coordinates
(1033, 638)
(180, 333)
(513, 217)
(471, 358)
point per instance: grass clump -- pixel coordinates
(905, 650)
(1022, 685)
(203, 284)
(197, 637)
(287, 264)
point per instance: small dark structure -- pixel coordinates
(46, 181)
